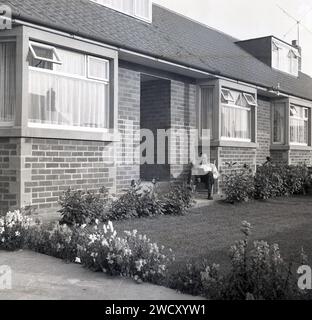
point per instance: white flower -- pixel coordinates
(17, 234)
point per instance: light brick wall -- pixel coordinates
(300, 157)
(128, 155)
(52, 166)
(263, 129)
(183, 116)
(9, 173)
(241, 156)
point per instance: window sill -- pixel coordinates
(290, 147)
(107, 135)
(234, 144)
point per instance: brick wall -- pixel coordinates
(300, 157)
(183, 115)
(9, 173)
(128, 153)
(263, 129)
(49, 167)
(241, 156)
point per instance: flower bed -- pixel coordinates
(100, 249)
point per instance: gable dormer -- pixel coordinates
(140, 9)
(277, 54)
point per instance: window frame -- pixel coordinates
(283, 140)
(230, 93)
(304, 119)
(287, 144)
(252, 103)
(11, 123)
(232, 105)
(86, 77)
(21, 35)
(44, 46)
(217, 140)
(135, 14)
(88, 57)
(285, 63)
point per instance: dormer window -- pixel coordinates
(140, 9)
(285, 57)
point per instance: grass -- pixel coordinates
(209, 232)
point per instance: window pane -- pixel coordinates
(207, 109)
(236, 123)
(67, 101)
(279, 123)
(72, 63)
(98, 69)
(299, 125)
(7, 81)
(142, 8)
(43, 52)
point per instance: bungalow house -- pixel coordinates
(74, 74)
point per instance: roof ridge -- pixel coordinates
(195, 21)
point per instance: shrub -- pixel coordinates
(80, 207)
(14, 230)
(132, 256)
(178, 200)
(258, 272)
(239, 185)
(137, 201)
(268, 182)
(275, 180)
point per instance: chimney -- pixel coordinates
(296, 45)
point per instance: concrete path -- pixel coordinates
(36, 277)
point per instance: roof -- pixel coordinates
(170, 36)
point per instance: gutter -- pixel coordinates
(68, 32)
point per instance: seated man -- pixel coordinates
(205, 172)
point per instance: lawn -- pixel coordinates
(209, 232)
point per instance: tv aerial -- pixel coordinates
(298, 23)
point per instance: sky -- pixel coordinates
(247, 19)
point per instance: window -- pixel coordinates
(236, 111)
(292, 62)
(285, 57)
(69, 92)
(7, 83)
(206, 112)
(276, 55)
(279, 123)
(98, 69)
(141, 9)
(299, 125)
(227, 95)
(45, 53)
(250, 99)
